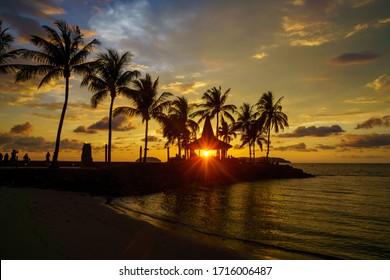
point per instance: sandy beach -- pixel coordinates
(52, 224)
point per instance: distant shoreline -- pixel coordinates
(136, 178)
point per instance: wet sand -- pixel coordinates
(53, 224)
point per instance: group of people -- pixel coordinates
(14, 158)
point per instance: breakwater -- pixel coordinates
(137, 178)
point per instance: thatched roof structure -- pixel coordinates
(208, 141)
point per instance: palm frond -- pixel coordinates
(98, 97)
(55, 73)
(27, 72)
(129, 111)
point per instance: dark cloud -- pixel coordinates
(375, 122)
(301, 147)
(82, 129)
(23, 16)
(24, 128)
(33, 144)
(152, 138)
(26, 143)
(355, 58)
(366, 141)
(71, 145)
(48, 116)
(119, 123)
(19, 139)
(321, 131)
(55, 105)
(325, 147)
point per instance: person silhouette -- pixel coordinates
(6, 157)
(26, 159)
(13, 155)
(47, 158)
(1, 156)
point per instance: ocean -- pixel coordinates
(341, 213)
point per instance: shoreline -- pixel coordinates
(54, 224)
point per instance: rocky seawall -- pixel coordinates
(137, 178)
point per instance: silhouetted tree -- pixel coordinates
(146, 103)
(178, 126)
(214, 103)
(60, 54)
(109, 77)
(6, 39)
(252, 136)
(227, 131)
(271, 115)
(246, 117)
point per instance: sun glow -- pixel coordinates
(206, 153)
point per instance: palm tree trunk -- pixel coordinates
(216, 129)
(250, 153)
(179, 146)
(110, 131)
(254, 150)
(146, 140)
(269, 135)
(58, 139)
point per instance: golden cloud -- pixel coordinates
(51, 10)
(307, 32)
(381, 83)
(88, 33)
(357, 28)
(183, 88)
(260, 55)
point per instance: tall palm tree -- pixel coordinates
(214, 104)
(252, 136)
(178, 125)
(246, 117)
(6, 39)
(146, 103)
(271, 115)
(109, 77)
(58, 56)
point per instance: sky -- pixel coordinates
(328, 59)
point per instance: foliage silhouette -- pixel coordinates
(214, 103)
(271, 115)
(178, 126)
(58, 56)
(6, 39)
(108, 77)
(146, 103)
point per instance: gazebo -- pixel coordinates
(208, 141)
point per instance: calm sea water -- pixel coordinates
(344, 212)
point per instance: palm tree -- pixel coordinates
(271, 115)
(215, 104)
(253, 136)
(246, 117)
(178, 125)
(6, 40)
(108, 77)
(227, 131)
(146, 103)
(62, 53)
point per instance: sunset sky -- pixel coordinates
(330, 59)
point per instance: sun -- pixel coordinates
(206, 153)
